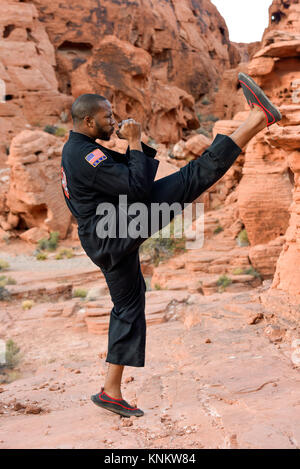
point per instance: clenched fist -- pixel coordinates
(129, 130)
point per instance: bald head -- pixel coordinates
(86, 105)
(92, 116)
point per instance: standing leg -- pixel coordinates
(113, 380)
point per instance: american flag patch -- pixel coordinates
(95, 157)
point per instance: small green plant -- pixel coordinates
(49, 244)
(50, 129)
(218, 229)
(27, 304)
(53, 240)
(253, 272)
(12, 354)
(54, 130)
(243, 238)
(4, 265)
(157, 286)
(161, 248)
(223, 282)
(238, 271)
(4, 294)
(80, 293)
(68, 253)
(60, 132)
(6, 281)
(43, 244)
(41, 256)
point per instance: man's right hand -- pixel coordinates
(130, 130)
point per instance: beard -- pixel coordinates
(101, 134)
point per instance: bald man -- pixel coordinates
(94, 176)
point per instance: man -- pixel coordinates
(93, 175)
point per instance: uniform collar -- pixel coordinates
(79, 136)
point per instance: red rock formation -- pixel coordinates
(27, 73)
(175, 33)
(35, 194)
(269, 192)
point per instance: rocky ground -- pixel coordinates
(219, 371)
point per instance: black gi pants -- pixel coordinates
(119, 258)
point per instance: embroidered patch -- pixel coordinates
(64, 183)
(95, 157)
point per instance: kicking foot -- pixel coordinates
(256, 97)
(119, 406)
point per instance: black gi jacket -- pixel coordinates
(88, 181)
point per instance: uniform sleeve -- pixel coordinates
(134, 179)
(149, 151)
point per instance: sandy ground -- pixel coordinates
(236, 390)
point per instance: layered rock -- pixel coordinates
(35, 196)
(178, 34)
(269, 192)
(265, 191)
(27, 73)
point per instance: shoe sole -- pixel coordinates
(121, 412)
(254, 93)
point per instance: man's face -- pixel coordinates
(102, 124)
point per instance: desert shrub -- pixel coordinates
(54, 130)
(27, 304)
(60, 131)
(157, 286)
(243, 238)
(253, 272)
(64, 253)
(41, 256)
(238, 271)
(80, 293)
(218, 229)
(223, 282)
(4, 265)
(6, 281)
(4, 294)
(53, 240)
(43, 244)
(12, 354)
(49, 244)
(162, 248)
(248, 271)
(50, 129)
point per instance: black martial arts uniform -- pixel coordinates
(93, 175)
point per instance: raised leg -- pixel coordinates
(255, 122)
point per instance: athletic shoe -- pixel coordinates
(119, 406)
(256, 97)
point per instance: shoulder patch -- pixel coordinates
(64, 183)
(95, 157)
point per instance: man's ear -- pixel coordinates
(89, 121)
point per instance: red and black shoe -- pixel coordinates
(256, 97)
(119, 406)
